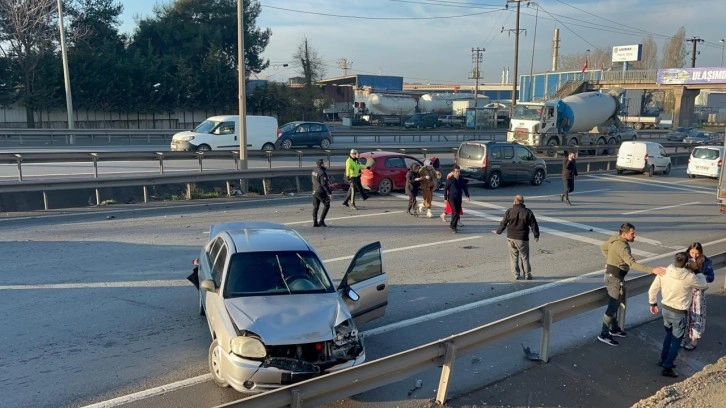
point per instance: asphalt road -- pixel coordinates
(97, 308)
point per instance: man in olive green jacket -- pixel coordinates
(352, 172)
(619, 261)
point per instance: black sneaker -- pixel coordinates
(345, 204)
(668, 372)
(322, 224)
(618, 333)
(317, 225)
(607, 340)
(660, 363)
(529, 276)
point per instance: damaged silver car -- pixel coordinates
(274, 314)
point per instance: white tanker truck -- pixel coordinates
(588, 118)
(392, 108)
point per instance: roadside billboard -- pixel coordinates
(702, 75)
(627, 53)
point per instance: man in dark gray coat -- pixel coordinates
(321, 194)
(518, 220)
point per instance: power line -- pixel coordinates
(379, 18)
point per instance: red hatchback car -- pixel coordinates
(386, 171)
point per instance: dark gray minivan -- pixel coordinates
(495, 163)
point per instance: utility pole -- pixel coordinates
(695, 41)
(66, 72)
(345, 65)
(517, 31)
(241, 72)
(476, 58)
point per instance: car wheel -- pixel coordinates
(204, 148)
(385, 186)
(325, 143)
(495, 179)
(638, 126)
(286, 144)
(667, 169)
(651, 170)
(691, 176)
(619, 171)
(268, 147)
(215, 364)
(538, 178)
(201, 303)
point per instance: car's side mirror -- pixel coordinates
(208, 285)
(353, 295)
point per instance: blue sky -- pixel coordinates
(430, 41)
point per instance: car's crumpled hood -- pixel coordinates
(288, 319)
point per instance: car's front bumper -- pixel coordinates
(249, 376)
(182, 146)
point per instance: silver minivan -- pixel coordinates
(495, 163)
(705, 161)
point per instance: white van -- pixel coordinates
(705, 161)
(644, 157)
(222, 133)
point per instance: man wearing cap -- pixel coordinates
(352, 172)
(428, 184)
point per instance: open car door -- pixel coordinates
(369, 284)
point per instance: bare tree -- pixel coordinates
(28, 30)
(649, 59)
(312, 70)
(674, 52)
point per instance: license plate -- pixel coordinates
(702, 167)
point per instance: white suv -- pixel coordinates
(705, 161)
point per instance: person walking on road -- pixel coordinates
(352, 172)
(453, 194)
(321, 194)
(413, 183)
(676, 287)
(569, 172)
(619, 261)
(428, 184)
(696, 317)
(518, 220)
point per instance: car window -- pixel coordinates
(316, 128)
(302, 128)
(524, 154)
(471, 151)
(225, 128)
(205, 127)
(213, 249)
(710, 154)
(409, 161)
(395, 163)
(218, 267)
(495, 152)
(662, 151)
(507, 152)
(288, 127)
(275, 273)
(367, 266)
(366, 161)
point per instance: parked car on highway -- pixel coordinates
(643, 157)
(274, 315)
(680, 133)
(222, 133)
(422, 120)
(495, 163)
(307, 134)
(698, 138)
(385, 171)
(705, 161)
(627, 133)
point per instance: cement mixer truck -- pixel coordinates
(585, 119)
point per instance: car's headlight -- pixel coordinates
(185, 138)
(248, 347)
(345, 333)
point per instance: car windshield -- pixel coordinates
(288, 126)
(275, 273)
(711, 154)
(525, 112)
(206, 127)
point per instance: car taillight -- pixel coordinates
(484, 162)
(456, 157)
(279, 133)
(719, 163)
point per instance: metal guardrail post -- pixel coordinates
(299, 158)
(327, 155)
(297, 399)
(45, 200)
(544, 348)
(19, 159)
(146, 194)
(446, 370)
(235, 157)
(269, 158)
(200, 156)
(424, 150)
(94, 158)
(189, 191)
(160, 157)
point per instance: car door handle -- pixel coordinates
(381, 287)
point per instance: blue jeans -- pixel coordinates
(675, 328)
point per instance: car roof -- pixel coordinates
(385, 154)
(260, 236)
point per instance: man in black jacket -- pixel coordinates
(518, 220)
(569, 172)
(321, 194)
(453, 193)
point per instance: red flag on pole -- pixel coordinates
(584, 66)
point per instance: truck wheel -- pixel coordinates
(495, 179)
(551, 145)
(638, 126)
(537, 178)
(268, 147)
(599, 149)
(611, 146)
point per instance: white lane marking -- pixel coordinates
(344, 218)
(662, 184)
(373, 332)
(660, 208)
(573, 193)
(151, 392)
(568, 235)
(127, 284)
(387, 251)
